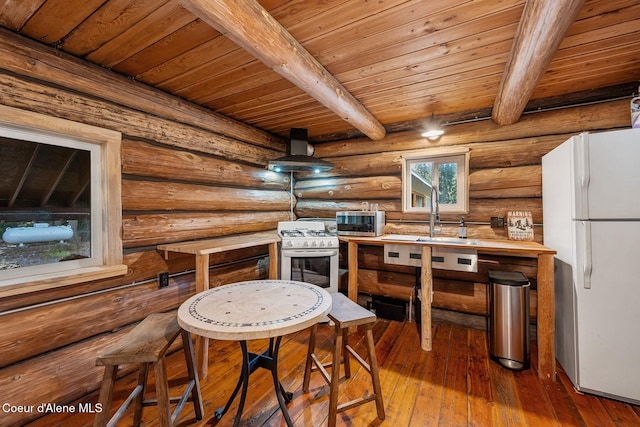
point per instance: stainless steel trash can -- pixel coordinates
(509, 330)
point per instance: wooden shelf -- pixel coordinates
(221, 244)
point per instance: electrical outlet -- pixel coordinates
(497, 222)
(163, 280)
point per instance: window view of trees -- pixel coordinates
(445, 170)
(448, 183)
(447, 179)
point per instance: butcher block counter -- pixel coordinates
(544, 255)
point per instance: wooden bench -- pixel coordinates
(345, 314)
(146, 345)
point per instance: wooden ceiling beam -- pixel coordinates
(249, 25)
(542, 28)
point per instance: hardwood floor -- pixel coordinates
(454, 385)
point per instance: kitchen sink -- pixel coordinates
(427, 239)
(450, 240)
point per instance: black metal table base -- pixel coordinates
(250, 362)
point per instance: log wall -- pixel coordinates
(186, 174)
(505, 174)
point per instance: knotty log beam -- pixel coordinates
(327, 209)
(29, 94)
(609, 115)
(152, 229)
(141, 158)
(249, 25)
(140, 195)
(28, 58)
(542, 28)
(371, 187)
(505, 178)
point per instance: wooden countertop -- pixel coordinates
(221, 244)
(508, 247)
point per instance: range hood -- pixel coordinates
(300, 157)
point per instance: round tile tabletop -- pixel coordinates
(254, 309)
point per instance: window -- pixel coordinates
(60, 205)
(444, 171)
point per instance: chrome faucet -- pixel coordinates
(434, 215)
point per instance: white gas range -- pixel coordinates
(309, 253)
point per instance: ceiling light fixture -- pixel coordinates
(433, 131)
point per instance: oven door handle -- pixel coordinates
(309, 253)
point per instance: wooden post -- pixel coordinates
(201, 347)
(546, 318)
(426, 287)
(352, 289)
(273, 260)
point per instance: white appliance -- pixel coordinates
(591, 207)
(360, 223)
(309, 253)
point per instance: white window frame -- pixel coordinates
(106, 205)
(459, 155)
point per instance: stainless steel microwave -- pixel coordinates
(360, 223)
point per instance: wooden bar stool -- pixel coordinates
(345, 314)
(146, 345)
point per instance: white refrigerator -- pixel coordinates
(591, 208)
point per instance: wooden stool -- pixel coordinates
(147, 344)
(345, 314)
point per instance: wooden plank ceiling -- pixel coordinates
(400, 60)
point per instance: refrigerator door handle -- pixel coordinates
(587, 267)
(583, 178)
